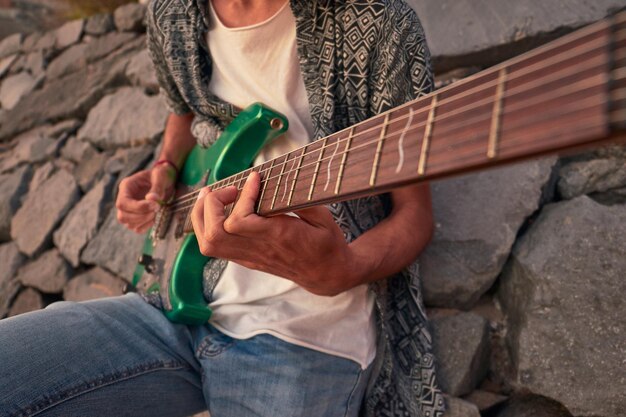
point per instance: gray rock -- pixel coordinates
(129, 17)
(95, 283)
(48, 273)
(81, 224)
(18, 65)
(484, 400)
(10, 259)
(14, 88)
(5, 64)
(71, 60)
(477, 218)
(65, 127)
(465, 32)
(46, 42)
(41, 175)
(460, 408)
(461, 345)
(78, 56)
(593, 176)
(126, 162)
(88, 171)
(69, 34)
(100, 24)
(563, 292)
(30, 42)
(78, 151)
(35, 63)
(32, 146)
(114, 248)
(11, 45)
(64, 98)
(126, 118)
(26, 301)
(530, 405)
(140, 72)
(41, 212)
(12, 187)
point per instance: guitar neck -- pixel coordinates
(566, 94)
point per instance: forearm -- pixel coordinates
(397, 240)
(177, 139)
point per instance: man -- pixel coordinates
(293, 331)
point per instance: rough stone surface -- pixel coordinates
(34, 222)
(114, 248)
(464, 31)
(100, 24)
(5, 64)
(78, 56)
(11, 45)
(110, 124)
(477, 218)
(461, 345)
(46, 42)
(593, 176)
(140, 72)
(64, 127)
(563, 293)
(460, 408)
(82, 222)
(67, 97)
(77, 151)
(12, 187)
(41, 175)
(69, 34)
(88, 171)
(48, 273)
(26, 301)
(95, 283)
(35, 63)
(129, 17)
(14, 88)
(10, 259)
(484, 400)
(529, 405)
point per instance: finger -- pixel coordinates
(214, 203)
(133, 219)
(317, 216)
(143, 228)
(129, 204)
(197, 213)
(249, 194)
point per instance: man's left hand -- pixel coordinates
(309, 249)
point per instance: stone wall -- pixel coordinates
(523, 281)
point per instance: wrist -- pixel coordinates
(166, 165)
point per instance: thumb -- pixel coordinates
(318, 216)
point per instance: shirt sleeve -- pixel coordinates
(401, 68)
(169, 90)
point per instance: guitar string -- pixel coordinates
(479, 153)
(510, 77)
(443, 116)
(515, 146)
(432, 155)
(540, 99)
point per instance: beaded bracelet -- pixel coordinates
(167, 162)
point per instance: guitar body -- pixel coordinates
(171, 263)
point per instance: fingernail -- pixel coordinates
(203, 192)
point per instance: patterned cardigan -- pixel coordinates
(358, 58)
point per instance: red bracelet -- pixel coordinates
(167, 162)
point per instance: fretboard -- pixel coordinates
(568, 93)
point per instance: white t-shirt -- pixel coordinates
(260, 63)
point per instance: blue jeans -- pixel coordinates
(121, 357)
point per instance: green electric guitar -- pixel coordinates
(567, 94)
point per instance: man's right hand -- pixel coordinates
(141, 195)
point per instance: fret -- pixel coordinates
(264, 182)
(280, 176)
(496, 120)
(428, 132)
(344, 158)
(317, 168)
(295, 177)
(379, 149)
